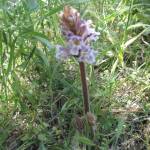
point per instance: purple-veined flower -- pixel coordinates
(62, 53)
(78, 34)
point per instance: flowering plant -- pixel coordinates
(78, 34)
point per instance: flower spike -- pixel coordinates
(78, 34)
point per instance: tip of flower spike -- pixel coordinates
(69, 19)
(68, 11)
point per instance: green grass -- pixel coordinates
(40, 97)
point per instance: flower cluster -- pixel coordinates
(78, 34)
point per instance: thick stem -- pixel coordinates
(84, 87)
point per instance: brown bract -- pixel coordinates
(71, 22)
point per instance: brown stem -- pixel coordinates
(84, 87)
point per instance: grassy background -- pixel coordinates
(40, 97)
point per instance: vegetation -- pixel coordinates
(41, 103)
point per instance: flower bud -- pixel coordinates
(78, 123)
(91, 119)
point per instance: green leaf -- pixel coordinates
(1, 46)
(44, 41)
(137, 25)
(114, 66)
(40, 37)
(129, 42)
(30, 56)
(53, 11)
(5, 38)
(85, 140)
(42, 147)
(42, 55)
